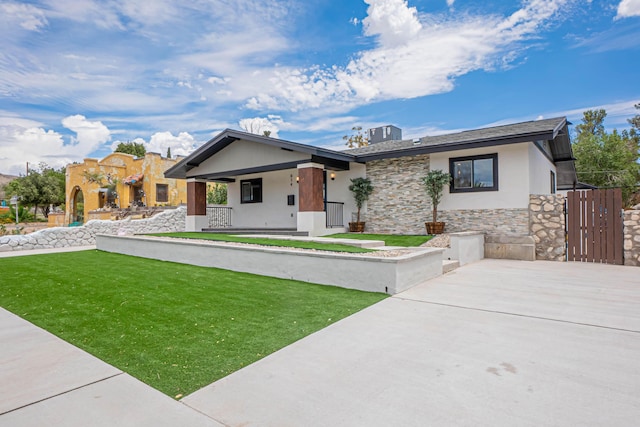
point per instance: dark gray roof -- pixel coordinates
(546, 129)
(554, 130)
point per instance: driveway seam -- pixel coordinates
(518, 315)
(61, 393)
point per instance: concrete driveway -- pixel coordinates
(495, 343)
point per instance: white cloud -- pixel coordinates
(29, 17)
(34, 145)
(22, 142)
(89, 135)
(450, 2)
(182, 144)
(416, 56)
(258, 125)
(392, 20)
(628, 8)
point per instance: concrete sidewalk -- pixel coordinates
(47, 381)
(7, 254)
(495, 343)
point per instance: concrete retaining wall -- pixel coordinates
(465, 247)
(510, 247)
(61, 237)
(366, 273)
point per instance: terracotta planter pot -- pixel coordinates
(356, 227)
(434, 227)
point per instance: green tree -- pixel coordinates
(217, 193)
(134, 148)
(635, 121)
(607, 159)
(42, 188)
(168, 152)
(357, 139)
(361, 189)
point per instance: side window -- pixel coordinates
(474, 173)
(162, 193)
(553, 182)
(251, 191)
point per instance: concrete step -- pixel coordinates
(449, 265)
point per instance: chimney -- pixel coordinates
(384, 133)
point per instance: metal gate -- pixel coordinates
(594, 226)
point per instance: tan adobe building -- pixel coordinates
(120, 181)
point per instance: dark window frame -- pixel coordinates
(166, 193)
(552, 178)
(453, 160)
(255, 189)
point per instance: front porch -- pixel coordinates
(272, 185)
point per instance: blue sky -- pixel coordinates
(79, 76)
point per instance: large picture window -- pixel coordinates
(474, 173)
(251, 191)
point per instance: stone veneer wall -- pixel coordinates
(492, 221)
(547, 226)
(631, 227)
(60, 237)
(400, 205)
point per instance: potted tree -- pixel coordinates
(434, 184)
(361, 189)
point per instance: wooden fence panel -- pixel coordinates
(594, 226)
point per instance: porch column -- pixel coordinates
(196, 205)
(311, 214)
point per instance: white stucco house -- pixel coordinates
(276, 184)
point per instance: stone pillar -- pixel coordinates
(632, 237)
(546, 224)
(196, 205)
(311, 215)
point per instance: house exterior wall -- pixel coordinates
(119, 166)
(399, 203)
(539, 171)
(243, 155)
(273, 212)
(513, 179)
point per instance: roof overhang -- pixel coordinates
(331, 159)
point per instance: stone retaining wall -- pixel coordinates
(631, 229)
(60, 237)
(547, 226)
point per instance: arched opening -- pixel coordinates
(77, 207)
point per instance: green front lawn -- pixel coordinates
(176, 327)
(333, 247)
(389, 239)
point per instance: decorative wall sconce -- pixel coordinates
(297, 179)
(333, 176)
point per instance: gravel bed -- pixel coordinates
(440, 241)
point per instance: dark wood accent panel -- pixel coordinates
(310, 190)
(196, 198)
